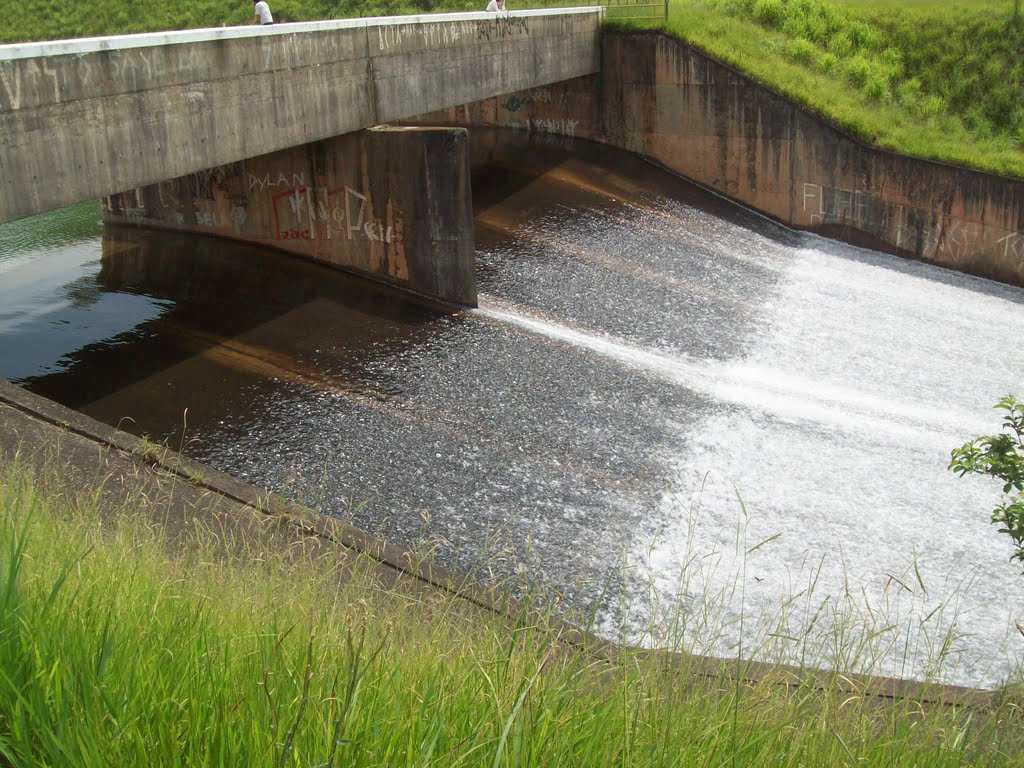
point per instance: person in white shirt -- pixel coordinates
(495, 6)
(261, 13)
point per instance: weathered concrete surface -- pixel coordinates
(661, 98)
(391, 203)
(80, 119)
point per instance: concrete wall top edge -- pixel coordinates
(15, 51)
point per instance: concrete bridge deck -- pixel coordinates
(80, 119)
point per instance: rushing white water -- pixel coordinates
(835, 431)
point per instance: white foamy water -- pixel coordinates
(835, 431)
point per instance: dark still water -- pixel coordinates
(644, 357)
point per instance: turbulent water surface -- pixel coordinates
(666, 409)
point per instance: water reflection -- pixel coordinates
(236, 319)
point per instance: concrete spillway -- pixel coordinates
(664, 408)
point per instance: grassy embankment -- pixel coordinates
(118, 649)
(932, 78)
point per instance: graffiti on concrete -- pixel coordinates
(134, 65)
(16, 74)
(205, 185)
(502, 26)
(214, 218)
(227, 198)
(934, 235)
(514, 102)
(343, 209)
(560, 126)
(431, 34)
(1012, 245)
(279, 180)
(442, 33)
(830, 204)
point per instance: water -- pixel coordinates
(663, 407)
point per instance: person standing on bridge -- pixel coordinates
(495, 6)
(261, 13)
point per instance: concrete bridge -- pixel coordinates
(81, 119)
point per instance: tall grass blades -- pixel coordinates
(121, 648)
(928, 78)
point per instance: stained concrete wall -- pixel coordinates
(661, 98)
(390, 203)
(80, 119)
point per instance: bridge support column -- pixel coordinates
(393, 204)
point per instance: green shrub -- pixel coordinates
(771, 13)
(864, 36)
(909, 93)
(857, 70)
(816, 29)
(794, 27)
(877, 87)
(802, 50)
(1001, 456)
(827, 62)
(933, 106)
(892, 60)
(841, 45)
(831, 18)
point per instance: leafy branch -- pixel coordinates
(1001, 456)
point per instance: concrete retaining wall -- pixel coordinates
(391, 203)
(661, 98)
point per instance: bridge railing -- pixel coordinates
(656, 10)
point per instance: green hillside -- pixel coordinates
(932, 78)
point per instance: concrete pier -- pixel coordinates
(393, 204)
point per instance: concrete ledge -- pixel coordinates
(305, 523)
(80, 45)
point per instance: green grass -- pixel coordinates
(931, 78)
(119, 649)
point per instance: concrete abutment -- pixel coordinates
(393, 204)
(661, 98)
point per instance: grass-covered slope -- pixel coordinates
(117, 649)
(932, 78)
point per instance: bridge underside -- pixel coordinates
(393, 204)
(81, 119)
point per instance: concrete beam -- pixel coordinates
(80, 119)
